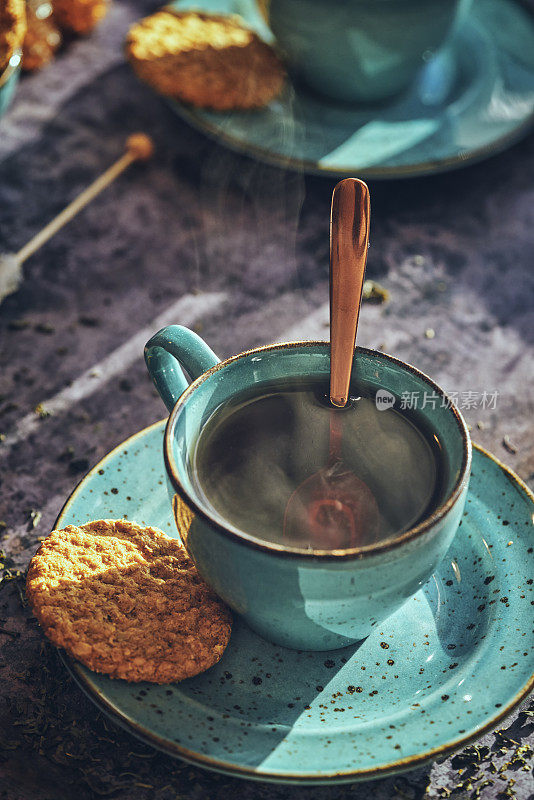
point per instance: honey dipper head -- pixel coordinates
(140, 145)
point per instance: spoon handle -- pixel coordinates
(349, 238)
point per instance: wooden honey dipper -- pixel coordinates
(139, 147)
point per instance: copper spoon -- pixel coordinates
(333, 508)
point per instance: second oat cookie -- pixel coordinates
(210, 61)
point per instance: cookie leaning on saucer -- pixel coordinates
(127, 601)
(210, 61)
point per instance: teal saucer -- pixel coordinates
(440, 672)
(473, 100)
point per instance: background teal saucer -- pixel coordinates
(441, 671)
(473, 100)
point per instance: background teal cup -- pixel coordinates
(360, 50)
(8, 80)
(314, 599)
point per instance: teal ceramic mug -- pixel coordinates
(360, 50)
(8, 80)
(313, 599)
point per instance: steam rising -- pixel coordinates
(250, 216)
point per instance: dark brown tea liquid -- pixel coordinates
(251, 456)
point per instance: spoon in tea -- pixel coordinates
(333, 508)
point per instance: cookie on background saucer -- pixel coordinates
(43, 37)
(207, 60)
(79, 16)
(127, 601)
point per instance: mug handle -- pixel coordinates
(171, 351)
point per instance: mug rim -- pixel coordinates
(276, 548)
(10, 67)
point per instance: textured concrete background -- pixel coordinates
(243, 249)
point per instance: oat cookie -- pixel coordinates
(12, 29)
(43, 37)
(79, 16)
(207, 60)
(127, 601)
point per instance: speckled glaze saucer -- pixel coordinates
(440, 672)
(473, 100)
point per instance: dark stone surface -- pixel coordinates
(455, 251)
